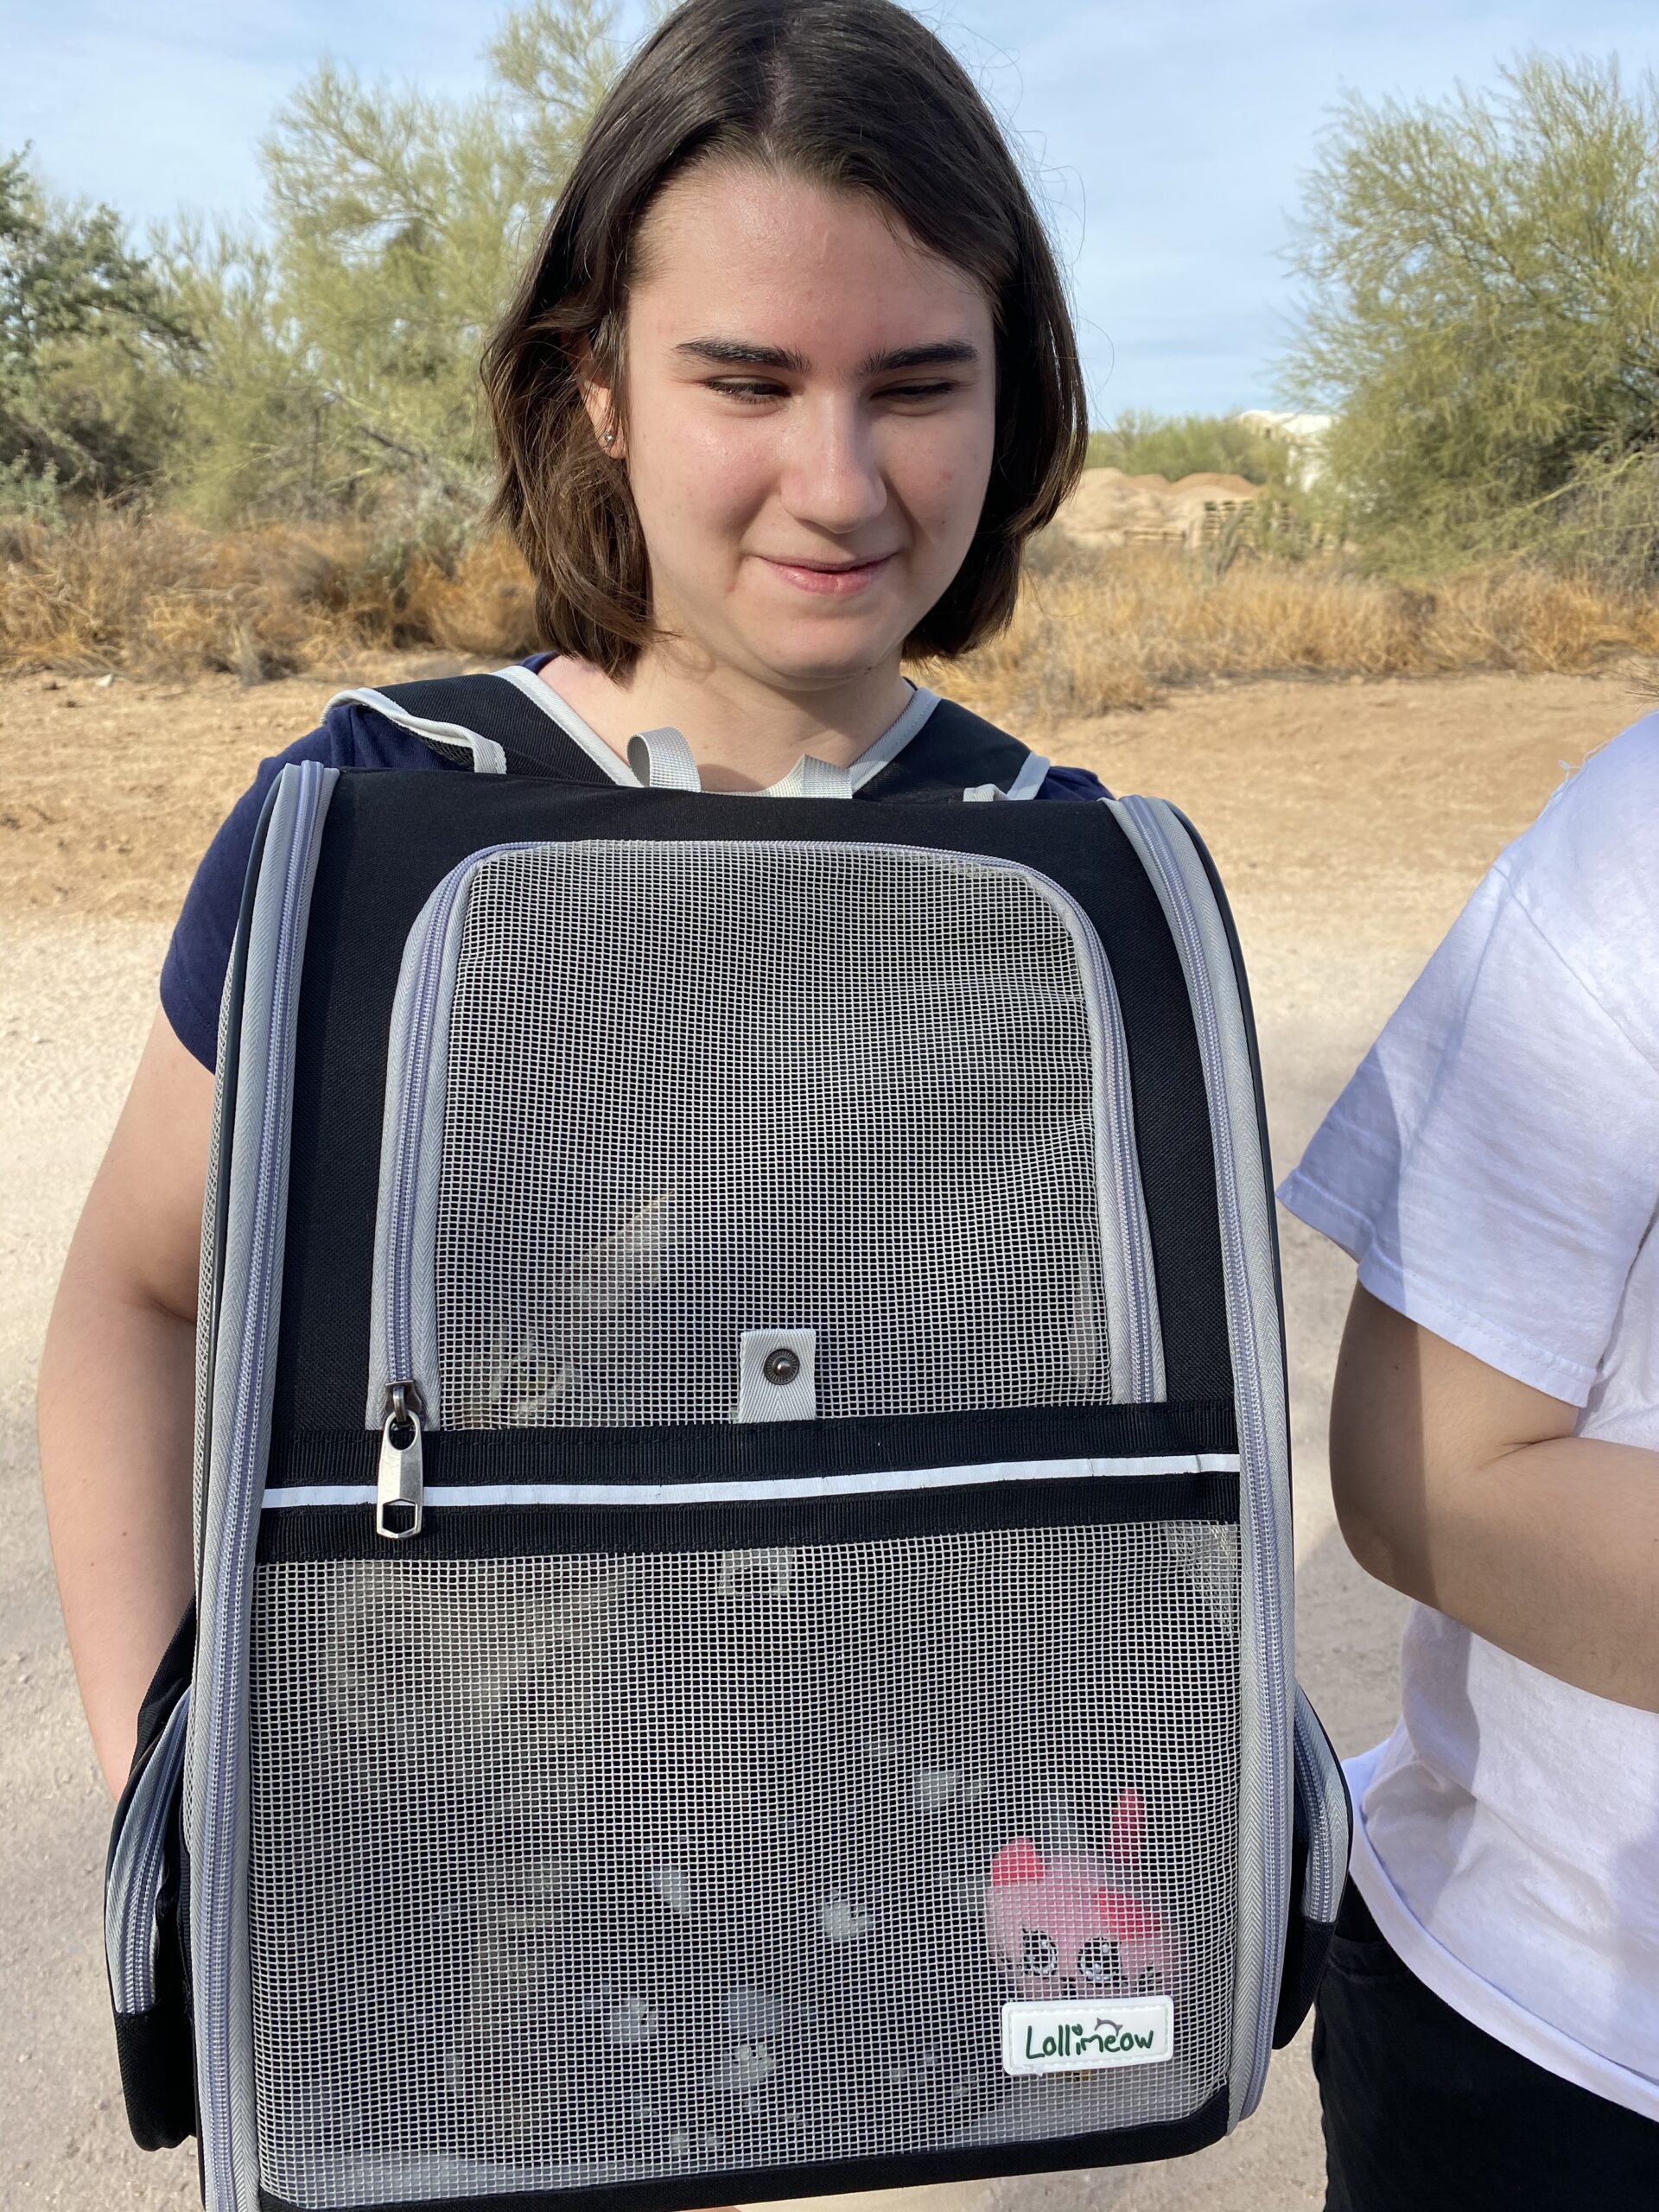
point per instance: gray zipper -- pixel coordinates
(405, 1401)
(218, 1746)
(404, 1394)
(1152, 829)
(135, 1866)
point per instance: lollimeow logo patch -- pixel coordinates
(1049, 2038)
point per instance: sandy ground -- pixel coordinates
(1350, 821)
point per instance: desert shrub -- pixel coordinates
(1480, 275)
(160, 596)
(1117, 630)
(1174, 446)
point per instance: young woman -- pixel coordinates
(1488, 2034)
(788, 382)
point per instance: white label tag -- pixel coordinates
(1048, 2038)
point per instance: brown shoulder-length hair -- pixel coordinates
(853, 94)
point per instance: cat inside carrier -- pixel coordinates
(743, 1643)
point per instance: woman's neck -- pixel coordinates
(744, 734)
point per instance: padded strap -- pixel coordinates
(486, 721)
(490, 722)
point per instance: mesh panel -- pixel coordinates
(697, 1090)
(573, 1870)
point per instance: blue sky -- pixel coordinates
(1170, 138)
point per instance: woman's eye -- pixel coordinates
(753, 392)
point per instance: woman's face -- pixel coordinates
(811, 417)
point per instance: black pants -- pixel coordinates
(1424, 2113)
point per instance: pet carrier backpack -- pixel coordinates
(743, 1631)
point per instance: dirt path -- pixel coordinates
(1350, 821)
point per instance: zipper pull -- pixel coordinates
(401, 1487)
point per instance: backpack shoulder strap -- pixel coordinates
(489, 723)
(485, 721)
(956, 755)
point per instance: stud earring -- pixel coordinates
(607, 437)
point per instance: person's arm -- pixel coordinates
(1467, 1490)
(116, 1396)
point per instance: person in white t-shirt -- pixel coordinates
(1489, 2032)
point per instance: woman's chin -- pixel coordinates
(822, 656)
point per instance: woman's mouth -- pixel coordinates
(830, 580)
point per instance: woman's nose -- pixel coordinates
(832, 477)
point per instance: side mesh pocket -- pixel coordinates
(142, 1916)
(1319, 1865)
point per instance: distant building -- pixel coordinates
(1304, 434)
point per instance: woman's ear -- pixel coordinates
(598, 397)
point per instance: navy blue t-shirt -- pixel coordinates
(350, 736)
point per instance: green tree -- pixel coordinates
(1481, 311)
(91, 348)
(341, 351)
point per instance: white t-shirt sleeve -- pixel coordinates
(1493, 1166)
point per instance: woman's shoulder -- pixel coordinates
(1071, 782)
(353, 735)
(1610, 804)
(1585, 876)
(350, 735)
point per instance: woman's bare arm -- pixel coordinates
(1467, 1490)
(116, 1395)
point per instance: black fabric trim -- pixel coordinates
(220, 1197)
(765, 1450)
(535, 744)
(952, 751)
(313, 1532)
(389, 838)
(1174, 2138)
(158, 2089)
(1307, 1953)
(154, 2048)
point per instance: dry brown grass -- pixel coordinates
(158, 597)
(1119, 630)
(1094, 630)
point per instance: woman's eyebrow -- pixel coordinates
(739, 352)
(743, 352)
(921, 357)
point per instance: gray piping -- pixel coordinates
(1324, 1799)
(558, 709)
(486, 755)
(216, 1818)
(892, 740)
(446, 908)
(410, 1174)
(135, 1867)
(299, 1494)
(208, 1276)
(1266, 1586)
(1029, 781)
